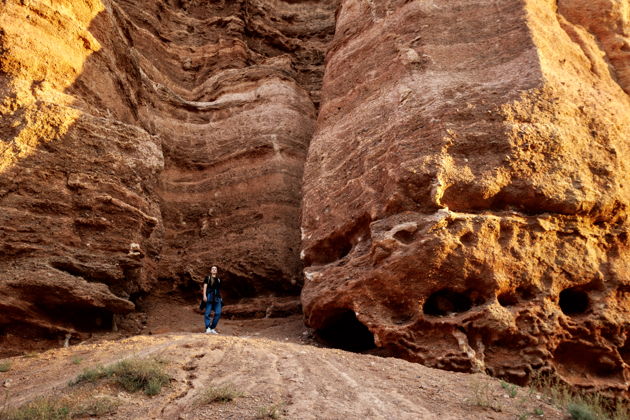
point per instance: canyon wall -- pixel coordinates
(231, 89)
(466, 192)
(464, 199)
(143, 142)
(78, 178)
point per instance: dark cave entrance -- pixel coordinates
(344, 331)
(507, 298)
(574, 301)
(80, 317)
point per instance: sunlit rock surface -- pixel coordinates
(143, 142)
(466, 193)
(78, 183)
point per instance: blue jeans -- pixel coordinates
(212, 306)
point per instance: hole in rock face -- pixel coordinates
(404, 236)
(467, 238)
(573, 301)
(512, 297)
(446, 301)
(526, 293)
(508, 298)
(344, 331)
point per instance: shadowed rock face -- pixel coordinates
(466, 192)
(231, 88)
(150, 140)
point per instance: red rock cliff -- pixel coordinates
(150, 140)
(466, 193)
(230, 88)
(80, 225)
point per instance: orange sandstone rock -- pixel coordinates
(150, 140)
(466, 193)
(77, 187)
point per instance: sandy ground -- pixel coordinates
(302, 381)
(170, 314)
(276, 365)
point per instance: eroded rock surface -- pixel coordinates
(150, 140)
(466, 193)
(78, 186)
(231, 89)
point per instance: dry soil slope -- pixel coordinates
(306, 382)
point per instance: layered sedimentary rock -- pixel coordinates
(79, 220)
(466, 193)
(230, 89)
(148, 140)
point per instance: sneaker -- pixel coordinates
(213, 332)
(209, 330)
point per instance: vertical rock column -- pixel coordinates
(466, 192)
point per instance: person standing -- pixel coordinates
(212, 298)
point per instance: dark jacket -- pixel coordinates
(214, 290)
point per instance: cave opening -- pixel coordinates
(405, 236)
(81, 318)
(507, 298)
(574, 301)
(445, 302)
(344, 331)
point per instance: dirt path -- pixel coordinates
(301, 381)
(277, 366)
(172, 315)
